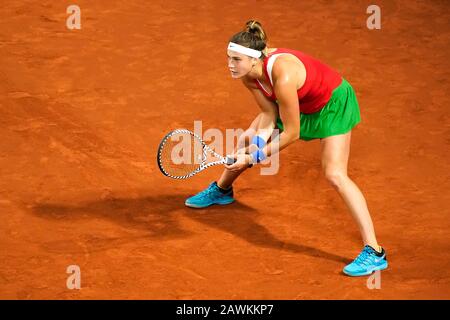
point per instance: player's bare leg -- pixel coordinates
(335, 154)
(227, 178)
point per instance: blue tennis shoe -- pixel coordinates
(211, 195)
(367, 262)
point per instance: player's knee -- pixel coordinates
(335, 176)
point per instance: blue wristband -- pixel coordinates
(258, 155)
(259, 142)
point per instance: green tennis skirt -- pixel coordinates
(338, 116)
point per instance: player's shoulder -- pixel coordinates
(287, 62)
(288, 65)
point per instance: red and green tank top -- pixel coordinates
(320, 81)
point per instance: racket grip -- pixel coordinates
(229, 160)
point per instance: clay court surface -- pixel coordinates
(82, 113)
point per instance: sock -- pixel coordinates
(378, 252)
(223, 190)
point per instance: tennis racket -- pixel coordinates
(182, 154)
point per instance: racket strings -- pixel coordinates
(181, 155)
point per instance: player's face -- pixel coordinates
(239, 64)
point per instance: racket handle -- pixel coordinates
(229, 160)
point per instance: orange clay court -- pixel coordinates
(82, 113)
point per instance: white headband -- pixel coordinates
(244, 50)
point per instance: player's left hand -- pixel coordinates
(242, 162)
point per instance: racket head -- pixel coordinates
(181, 154)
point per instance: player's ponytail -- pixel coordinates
(253, 36)
(255, 27)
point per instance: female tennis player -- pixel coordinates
(304, 99)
